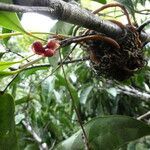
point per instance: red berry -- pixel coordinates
(38, 48)
(53, 44)
(48, 52)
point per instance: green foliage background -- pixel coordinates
(46, 104)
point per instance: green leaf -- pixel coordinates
(101, 1)
(142, 2)
(5, 65)
(84, 94)
(8, 73)
(5, 40)
(31, 147)
(107, 133)
(6, 1)
(8, 140)
(112, 91)
(62, 28)
(19, 117)
(54, 60)
(47, 88)
(61, 81)
(10, 21)
(22, 100)
(73, 91)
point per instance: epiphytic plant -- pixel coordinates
(118, 57)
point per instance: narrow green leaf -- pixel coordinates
(73, 91)
(107, 133)
(8, 140)
(10, 21)
(8, 73)
(5, 65)
(101, 1)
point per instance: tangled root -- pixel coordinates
(111, 62)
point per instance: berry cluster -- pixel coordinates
(47, 50)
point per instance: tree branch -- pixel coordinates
(144, 116)
(18, 8)
(61, 10)
(69, 13)
(42, 146)
(133, 92)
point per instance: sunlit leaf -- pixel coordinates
(8, 140)
(112, 91)
(6, 65)
(107, 133)
(10, 21)
(19, 118)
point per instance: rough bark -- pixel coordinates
(73, 14)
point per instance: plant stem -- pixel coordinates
(31, 63)
(74, 105)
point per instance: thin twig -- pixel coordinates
(144, 116)
(54, 8)
(82, 38)
(143, 12)
(30, 63)
(141, 27)
(75, 61)
(10, 82)
(52, 35)
(49, 65)
(53, 144)
(63, 11)
(114, 5)
(37, 138)
(43, 66)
